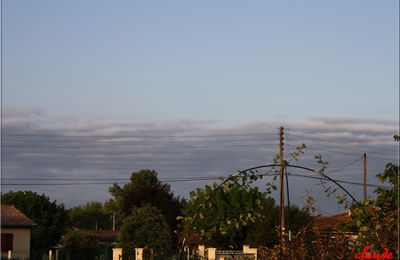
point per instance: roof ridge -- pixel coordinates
(11, 216)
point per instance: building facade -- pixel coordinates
(15, 233)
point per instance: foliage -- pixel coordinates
(235, 212)
(234, 215)
(376, 221)
(146, 228)
(328, 189)
(145, 188)
(225, 214)
(81, 245)
(312, 243)
(50, 218)
(297, 218)
(90, 216)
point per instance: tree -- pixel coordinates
(231, 216)
(50, 218)
(145, 188)
(146, 228)
(90, 216)
(81, 245)
(376, 220)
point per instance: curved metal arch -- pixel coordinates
(303, 168)
(265, 166)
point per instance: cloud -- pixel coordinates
(67, 147)
(9, 112)
(355, 120)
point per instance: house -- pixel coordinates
(328, 223)
(108, 240)
(15, 233)
(107, 236)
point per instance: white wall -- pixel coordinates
(21, 242)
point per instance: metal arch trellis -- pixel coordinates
(289, 166)
(239, 173)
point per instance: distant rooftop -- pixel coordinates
(329, 222)
(12, 217)
(107, 235)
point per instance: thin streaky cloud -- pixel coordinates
(207, 149)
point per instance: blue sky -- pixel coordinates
(326, 69)
(225, 60)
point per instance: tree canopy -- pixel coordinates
(232, 216)
(144, 188)
(376, 220)
(146, 228)
(51, 219)
(90, 216)
(81, 245)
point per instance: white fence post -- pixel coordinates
(117, 253)
(139, 253)
(212, 253)
(248, 250)
(202, 251)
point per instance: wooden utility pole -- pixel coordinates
(365, 176)
(113, 223)
(282, 194)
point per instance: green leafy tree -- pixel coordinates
(146, 228)
(81, 245)
(234, 215)
(376, 220)
(145, 188)
(90, 216)
(51, 219)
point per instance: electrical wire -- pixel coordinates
(341, 181)
(188, 179)
(123, 141)
(342, 152)
(140, 147)
(344, 166)
(5, 134)
(330, 142)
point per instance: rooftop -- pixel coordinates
(12, 217)
(329, 222)
(107, 235)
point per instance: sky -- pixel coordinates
(80, 79)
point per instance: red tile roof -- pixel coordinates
(329, 222)
(12, 217)
(107, 235)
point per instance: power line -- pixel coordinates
(5, 134)
(350, 149)
(345, 166)
(330, 141)
(102, 142)
(341, 181)
(108, 179)
(139, 130)
(140, 147)
(381, 158)
(347, 148)
(342, 152)
(188, 179)
(102, 183)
